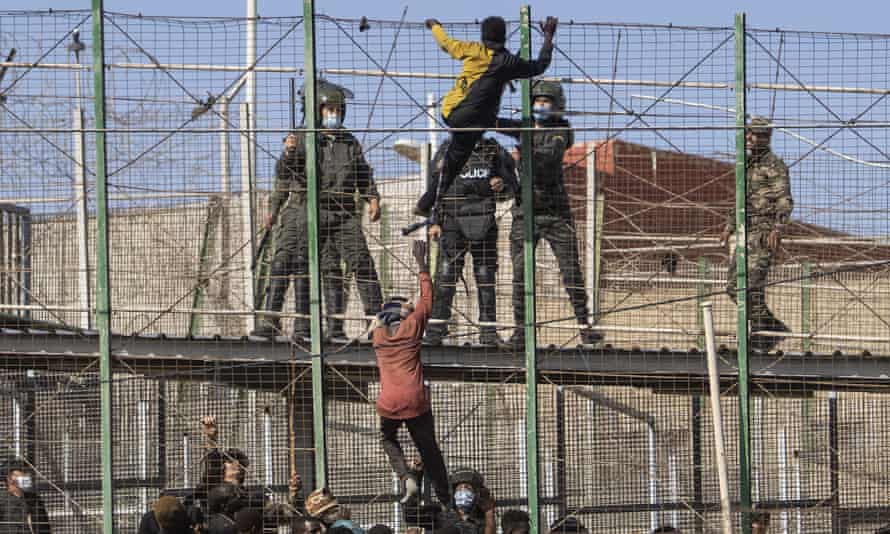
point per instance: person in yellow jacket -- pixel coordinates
(475, 99)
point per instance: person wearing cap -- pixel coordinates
(769, 209)
(167, 516)
(323, 506)
(21, 509)
(552, 211)
(475, 99)
(404, 397)
(515, 522)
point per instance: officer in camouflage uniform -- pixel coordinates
(344, 178)
(553, 216)
(769, 208)
(468, 224)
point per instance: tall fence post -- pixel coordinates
(311, 124)
(741, 254)
(103, 289)
(528, 228)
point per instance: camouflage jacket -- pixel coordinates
(548, 150)
(769, 193)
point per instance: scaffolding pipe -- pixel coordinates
(653, 478)
(17, 427)
(674, 485)
(246, 209)
(432, 109)
(652, 442)
(782, 452)
(590, 226)
(250, 89)
(717, 418)
(797, 491)
(444, 76)
(82, 216)
(66, 464)
(142, 421)
(186, 461)
(267, 446)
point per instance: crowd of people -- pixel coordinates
(228, 507)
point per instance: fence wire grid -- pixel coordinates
(210, 318)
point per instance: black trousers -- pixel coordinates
(461, 147)
(453, 248)
(423, 432)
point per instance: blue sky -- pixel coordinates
(821, 182)
(849, 16)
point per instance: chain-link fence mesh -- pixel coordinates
(210, 280)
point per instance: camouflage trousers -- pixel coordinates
(560, 234)
(759, 262)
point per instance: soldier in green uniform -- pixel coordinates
(344, 180)
(769, 209)
(553, 215)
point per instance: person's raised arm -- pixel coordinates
(453, 47)
(424, 304)
(289, 169)
(516, 67)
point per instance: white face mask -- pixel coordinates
(24, 482)
(542, 111)
(330, 120)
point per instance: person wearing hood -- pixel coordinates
(404, 397)
(475, 99)
(21, 509)
(472, 509)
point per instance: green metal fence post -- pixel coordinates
(311, 123)
(741, 253)
(528, 228)
(805, 305)
(103, 286)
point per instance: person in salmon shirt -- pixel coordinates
(404, 397)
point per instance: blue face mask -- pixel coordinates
(464, 499)
(542, 112)
(331, 121)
